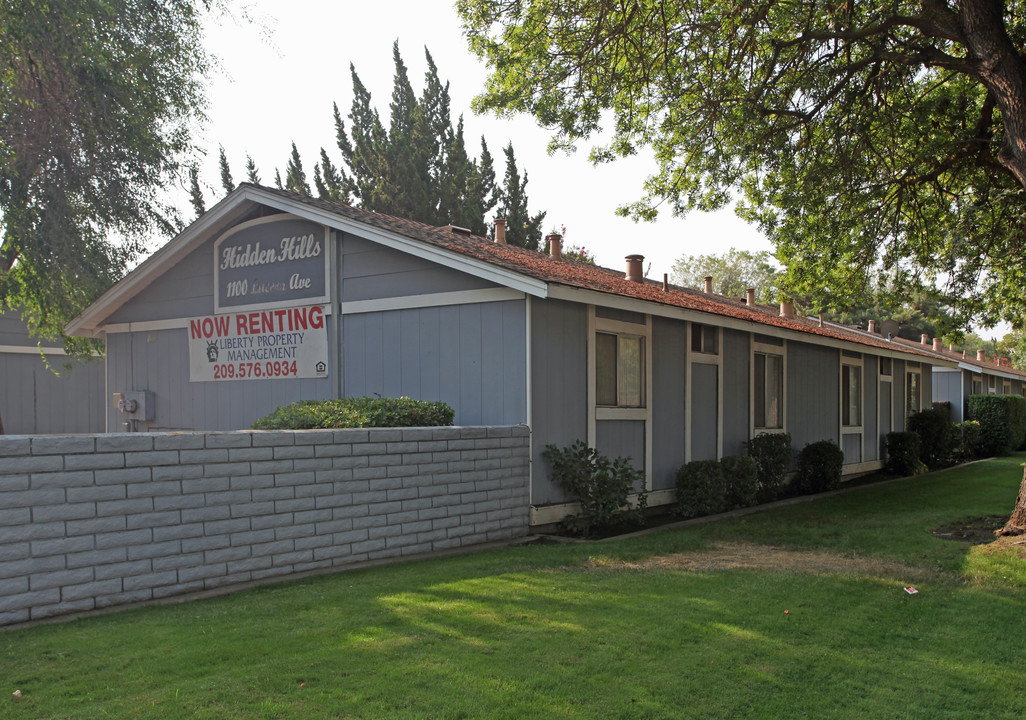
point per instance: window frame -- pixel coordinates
(848, 365)
(765, 350)
(909, 371)
(620, 390)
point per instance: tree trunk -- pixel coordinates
(1016, 524)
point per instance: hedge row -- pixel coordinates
(356, 413)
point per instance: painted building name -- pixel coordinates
(291, 248)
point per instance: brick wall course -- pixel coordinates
(88, 522)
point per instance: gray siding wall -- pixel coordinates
(705, 379)
(947, 387)
(736, 391)
(369, 271)
(473, 357)
(870, 422)
(158, 361)
(813, 393)
(898, 401)
(559, 378)
(669, 343)
(185, 290)
(35, 400)
(89, 522)
(622, 438)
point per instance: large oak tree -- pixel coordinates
(863, 137)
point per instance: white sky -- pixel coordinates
(280, 74)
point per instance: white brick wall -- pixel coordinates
(90, 521)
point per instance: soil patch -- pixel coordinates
(731, 556)
(975, 531)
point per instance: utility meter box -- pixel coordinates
(136, 405)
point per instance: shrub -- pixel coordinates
(741, 481)
(903, 454)
(818, 467)
(601, 486)
(969, 437)
(936, 436)
(772, 454)
(357, 412)
(701, 489)
(1002, 421)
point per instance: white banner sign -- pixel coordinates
(267, 345)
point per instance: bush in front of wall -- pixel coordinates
(818, 467)
(1002, 421)
(741, 481)
(903, 454)
(356, 413)
(601, 486)
(936, 436)
(701, 489)
(772, 454)
(969, 437)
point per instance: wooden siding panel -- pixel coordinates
(870, 411)
(559, 376)
(35, 400)
(622, 438)
(185, 290)
(736, 391)
(813, 393)
(669, 341)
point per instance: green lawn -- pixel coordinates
(683, 623)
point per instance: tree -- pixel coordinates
(252, 175)
(199, 206)
(521, 229)
(865, 138)
(732, 273)
(95, 110)
(226, 172)
(295, 176)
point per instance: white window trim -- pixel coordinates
(859, 429)
(595, 413)
(702, 359)
(781, 351)
(904, 397)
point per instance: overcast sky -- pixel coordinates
(280, 73)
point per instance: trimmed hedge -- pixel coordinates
(1002, 421)
(701, 489)
(903, 454)
(741, 481)
(772, 454)
(969, 435)
(356, 413)
(818, 467)
(936, 436)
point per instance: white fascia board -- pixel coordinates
(978, 370)
(87, 324)
(620, 302)
(448, 258)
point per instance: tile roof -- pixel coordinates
(582, 275)
(957, 356)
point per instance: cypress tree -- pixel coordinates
(195, 193)
(330, 181)
(521, 229)
(404, 192)
(295, 176)
(251, 171)
(226, 173)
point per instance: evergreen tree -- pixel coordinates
(226, 174)
(484, 191)
(277, 179)
(455, 184)
(365, 154)
(195, 192)
(521, 229)
(251, 171)
(404, 192)
(433, 137)
(330, 181)
(295, 176)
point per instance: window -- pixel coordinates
(885, 367)
(703, 339)
(1006, 387)
(769, 391)
(977, 385)
(851, 395)
(913, 391)
(991, 384)
(619, 370)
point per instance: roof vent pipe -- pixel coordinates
(634, 271)
(872, 326)
(951, 347)
(666, 282)
(925, 339)
(555, 241)
(500, 231)
(787, 309)
(938, 344)
(750, 296)
(980, 355)
(708, 284)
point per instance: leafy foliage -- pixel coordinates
(936, 436)
(969, 435)
(741, 480)
(772, 453)
(818, 467)
(96, 102)
(732, 273)
(1002, 421)
(601, 486)
(700, 489)
(865, 138)
(357, 412)
(903, 454)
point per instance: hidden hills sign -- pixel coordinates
(280, 261)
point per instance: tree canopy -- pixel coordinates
(96, 102)
(732, 272)
(865, 138)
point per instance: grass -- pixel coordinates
(688, 622)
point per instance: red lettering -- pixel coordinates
(279, 314)
(241, 325)
(208, 327)
(300, 318)
(316, 317)
(222, 322)
(267, 322)
(194, 329)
